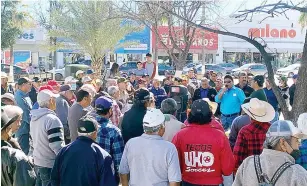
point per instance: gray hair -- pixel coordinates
(112, 90)
(169, 106)
(153, 130)
(204, 79)
(12, 111)
(89, 135)
(272, 142)
(44, 104)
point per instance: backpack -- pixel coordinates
(263, 179)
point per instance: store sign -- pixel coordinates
(27, 35)
(268, 32)
(202, 39)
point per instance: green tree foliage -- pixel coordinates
(90, 26)
(303, 20)
(11, 22)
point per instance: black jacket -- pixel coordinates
(33, 95)
(291, 93)
(132, 124)
(211, 94)
(247, 90)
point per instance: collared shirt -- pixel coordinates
(246, 89)
(203, 92)
(302, 160)
(150, 160)
(212, 83)
(271, 98)
(231, 101)
(24, 102)
(116, 114)
(250, 141)
(110, 139)
(83, 162)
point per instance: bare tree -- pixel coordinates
(280, 8)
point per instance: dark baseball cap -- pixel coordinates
(259, 79)
(121, 80)
(132, 73)
(142, 94)
(148, 55)
(145, 75)
(64, 88)
(295, 76)
(200, 107)
(103, 103)
(23, 80)
(87, 124)
(37, 79)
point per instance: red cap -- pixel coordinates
(53, 83)
(46, 87)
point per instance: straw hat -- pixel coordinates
(213, 105)
(259, 110)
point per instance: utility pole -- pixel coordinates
(53, 6)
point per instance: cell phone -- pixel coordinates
(73, 86)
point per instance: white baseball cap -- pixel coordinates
(9, 96)
(3, 75)
(86, 79)
(153, 117)
(89, 88)
(79, 72)
(285, 128)
(45, 95)
(69, 79)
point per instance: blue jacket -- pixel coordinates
(83, 162)
(159, 94)
(24, 102)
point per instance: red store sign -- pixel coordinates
(202, 39)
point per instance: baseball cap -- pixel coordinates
(64, 88)
(153, 117)
(148, 55)
(70, 79)
(86, 79)
(295, 76)
(9, 96)
(89, 88)
(23, 80)
(145, 75)
(103, 103)
(259, 79)
(36, 79)
(121, 80)
(3, 75)
(87, 124)
(283, 128)
(142, 94)
(89, 71)
(200, 107)
(79, 72)
(132, 73)
(46, 87)
(284, 78)
(53, 83)
(46, 95)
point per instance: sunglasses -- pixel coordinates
(227, 81)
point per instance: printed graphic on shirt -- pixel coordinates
(198, 158)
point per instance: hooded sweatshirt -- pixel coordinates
(47, 134)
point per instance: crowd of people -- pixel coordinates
(125, 129)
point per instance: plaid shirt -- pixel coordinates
(110, 139)
(116, 114)
(302, 160)
(250, 141)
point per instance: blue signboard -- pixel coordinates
(142, 38)
(22, 58)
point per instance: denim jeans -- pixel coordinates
(227, 121)
(42, 175)
(24, 142)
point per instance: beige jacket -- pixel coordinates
(271, 160)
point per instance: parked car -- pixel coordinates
(289, 71)
(251, 69)
(17, 71)
(68, 70)
(189, 66)
(162, 67)
(131, 66)
(228, 66)
(202, 69)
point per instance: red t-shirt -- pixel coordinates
(204, 154)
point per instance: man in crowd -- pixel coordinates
(5, 87)
(132, 80)
(231, 99)
(292, 89)
(140, 71)
(257, 85)
(62, 105)
(55, 85)
(109, 136)
(46, 131)
(116, 111)
(218, 84)
(77, 111)
(157, 160)
(83, 162)
(172, 125)
(25, 103)
(271, 98)
(133, 118)
(277, 160)
(212, 81)
(142, 83)
(243, 84)
(205, 91)
(251, 137)
(36, 83)
(8, 99)
(150, 66)
(148, 80)
(192, 77)
(158, 92)
(203, 148)
(79, 76)
(123, 94)
(302, 124)
(86, 80)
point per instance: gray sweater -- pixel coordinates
(271, 160)
(75, 112)
(61, 111)
(46, 131)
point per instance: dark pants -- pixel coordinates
(183, 183)
(24, 142)
(42, 175)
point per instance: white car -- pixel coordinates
(289, 71)
(59, 74)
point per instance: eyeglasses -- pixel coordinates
(227, 81)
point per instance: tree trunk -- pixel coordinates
(181, 60)
(11, 73)
(97, 65)
(299, 102)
